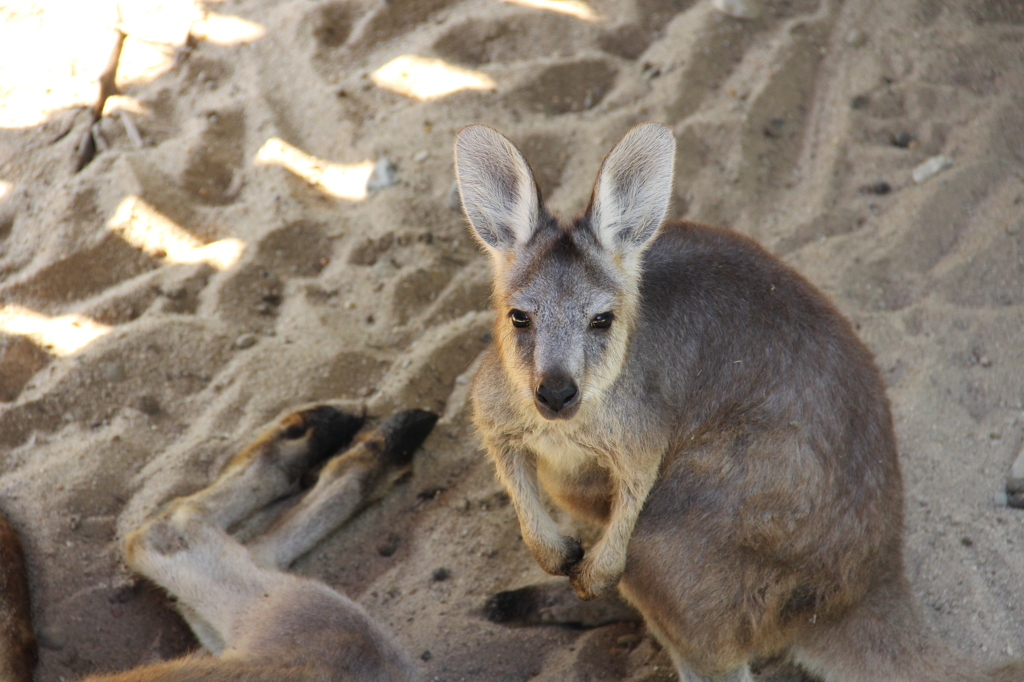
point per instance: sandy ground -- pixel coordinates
(166, 301)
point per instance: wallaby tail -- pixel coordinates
(17, 641)
(884, 640)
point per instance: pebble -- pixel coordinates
(902, 139)
(859, 101)
(440, 575)
(421, 155)
(385, 174)
(112, 372)
(389, 546)
(148, 404)
(932, 167)
(739, 9)
(1017, 470)
(856, 38)
(245, 341)
(426, 656)
(879, 187)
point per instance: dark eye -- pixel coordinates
(296, 430)
(519, 319)
(602, 321)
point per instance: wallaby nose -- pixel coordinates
(556, 392)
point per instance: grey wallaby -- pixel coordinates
(710, 409)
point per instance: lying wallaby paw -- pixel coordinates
(591, 582)
(323, 429)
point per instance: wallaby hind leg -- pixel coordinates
(347, 483)
(554, 602)
(272, 465)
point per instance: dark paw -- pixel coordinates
(404, 432)
(512, 607)
(329, 430)
(573, 552)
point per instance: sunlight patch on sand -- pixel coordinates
(147, 229)
(5, 187)
(345, 181)
(574, 8)
(61, 336)
(226, 30)
(425, 78)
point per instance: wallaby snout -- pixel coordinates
(557, 396)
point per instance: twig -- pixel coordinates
(131, 129)
(108, 86)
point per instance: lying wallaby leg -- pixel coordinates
(271, 466)
(347, 483)
(17, 642)
(262, 623)
(555, 603)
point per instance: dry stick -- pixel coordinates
(108, 86)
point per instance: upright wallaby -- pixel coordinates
(710, 409)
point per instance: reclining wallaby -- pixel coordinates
(710, 409)
(260, 622)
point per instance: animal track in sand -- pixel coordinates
(566, 87)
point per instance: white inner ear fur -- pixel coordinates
(499, 195)
(633, 189)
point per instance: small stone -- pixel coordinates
(931, 168)
(148, 404)
(1017, 470)
(425, 656)
(856, 38)
(966, 541)
(440, 575)
(628, 641)
(389, 546)
(421, 156)
(879, 187)
(384, 175)
(112, 372)
(902, 139)
(985, 361)
(454, 199)
(739, 9)
(859, 101)
(245, 341)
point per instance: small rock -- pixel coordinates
(856, 38)
(420, 156)
(389, 546)
(880, 187)
(739, 9)
(112, 372)
(245, 341)
(902, 139)
(966, 541)
(859, 101)
(425, 656)
(384, 175)
(985, 361)
(931, 168)
(628, 641)
(454, 199)
(440, 575)
(148, 404)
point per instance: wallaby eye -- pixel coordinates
(296, 430)
(519, 319)
(602, 321)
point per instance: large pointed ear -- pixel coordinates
(633, 188)
(498, 191)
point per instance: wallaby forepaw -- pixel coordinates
(591, 582)
(559, 559)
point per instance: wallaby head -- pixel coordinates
(566, 293)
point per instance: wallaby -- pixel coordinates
(710, 409)
(17, 640)
(260, 622)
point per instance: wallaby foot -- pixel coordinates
(554, 602)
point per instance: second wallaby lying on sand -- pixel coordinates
(710, 409)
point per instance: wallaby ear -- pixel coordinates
(498, 191)
(633, 188)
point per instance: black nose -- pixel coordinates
(556, 392)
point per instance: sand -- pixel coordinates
(166, 301)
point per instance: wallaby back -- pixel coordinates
(709, 407)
